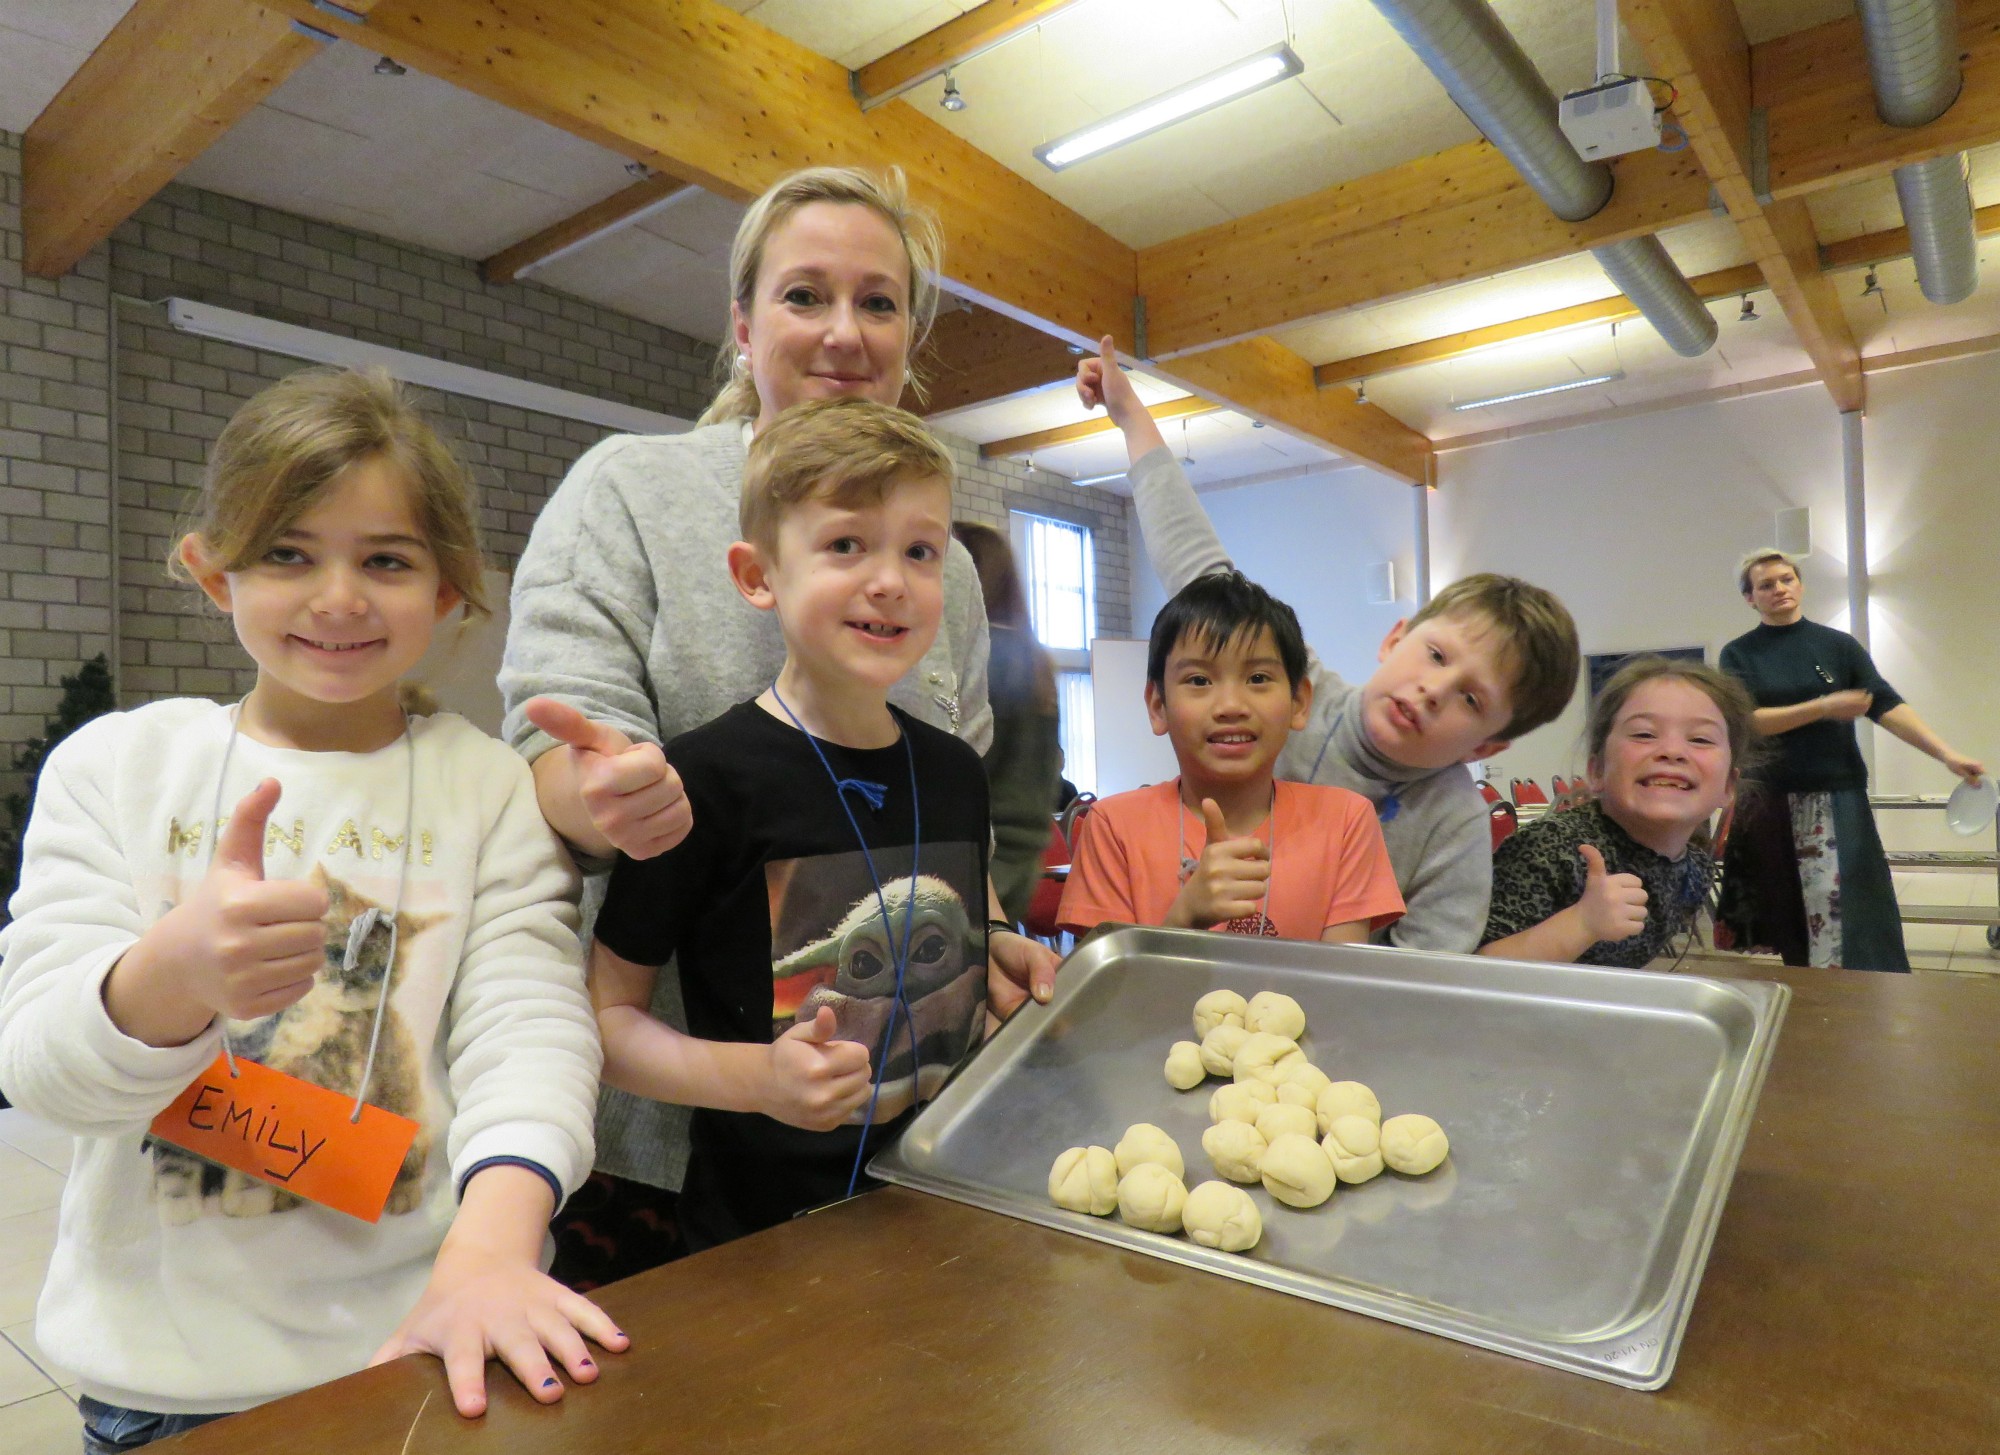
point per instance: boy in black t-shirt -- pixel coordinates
(830, 906)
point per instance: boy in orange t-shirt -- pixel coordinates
(1225, 846)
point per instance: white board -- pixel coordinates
(1128, 754)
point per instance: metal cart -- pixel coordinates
(1944, 914)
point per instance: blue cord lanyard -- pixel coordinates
(1389, 807)
(875, 799)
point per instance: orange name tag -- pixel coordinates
(291, 1134)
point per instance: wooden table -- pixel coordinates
(1851, 1304)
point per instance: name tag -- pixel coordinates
(291, 1134)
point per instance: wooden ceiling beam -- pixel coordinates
(1461, 214)
(1700, 48)
(1068, 434)
(171, 77)
(956, 41)
(1893, 242)
(618, 210)
(975, 356)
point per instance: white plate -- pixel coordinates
(1970, 808)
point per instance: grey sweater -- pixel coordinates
(1437, 835)
(623, 607)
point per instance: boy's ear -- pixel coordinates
(1396, 634)
(205, 569)
(1488, 749)
(1302, 704)
(1156, 708)
(752, 575)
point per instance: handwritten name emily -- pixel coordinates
(236, 1119)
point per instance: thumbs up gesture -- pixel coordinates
(1100, 381)
(1229, 879)
(1613, 906)
(815, 1081)
(632, 795)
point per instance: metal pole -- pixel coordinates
(1854, 487)
(1420, 516)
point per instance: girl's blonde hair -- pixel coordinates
(888, 197)
(1730, 697)
(282, 450)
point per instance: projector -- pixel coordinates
(1610, 120)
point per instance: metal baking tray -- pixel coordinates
(1595, 1119)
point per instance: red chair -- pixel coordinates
(1487, 791)
(1046, 901)
(1504, 821)
(1527, 791)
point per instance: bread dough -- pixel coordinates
(1413, 1144)
(1220, 1216)
(1354, 1145)
(1219, 1048)
(1260, 1056)
(1346, 1099)
(1236, 1149)
(1281, 1117)
(1184, 1069)
(1143, 1142)
(1151, 1197)
(1301, 1082)
(1085, 1180)
(1296, 1172)
(1218, 1007)
(1240, 1101)
(1278, 1014)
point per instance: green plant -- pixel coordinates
(86, 694)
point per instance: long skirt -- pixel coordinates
(1804, 874)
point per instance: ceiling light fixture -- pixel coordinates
(1361, 392)
(638, 169)
(1097, 479)
(386, 67)
(1870, 286)
(1613, 377)
(1749, 313)
(951, 100)
(1265, 68)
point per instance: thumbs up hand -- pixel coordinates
(240, 945)
(1613, 906)
(632, 795)
(816, 1081)
(1229, 880)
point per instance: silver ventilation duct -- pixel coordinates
(1913, 61)
(1484, 70)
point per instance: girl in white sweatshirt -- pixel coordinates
(316, 882)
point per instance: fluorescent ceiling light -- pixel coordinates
(207, 321)
(1098, 479)
(1613, 377)
(1253, 74)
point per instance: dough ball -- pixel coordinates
(1240, 1101)
(1219, 1047)
(1306, 1078)
(1085, 1180)
(1260, 1056)
(1280, 1015)
(1151, 1197)
(1296, 1172)
(1276, 1120)
(1218, 1008)
(1413, 1144)
(1220, 1216)
(1354, 1143)
(1143, 1142)
(1346, 1099)
(1184, 1068)
(1236, 1149)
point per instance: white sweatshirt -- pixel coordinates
(189, 1294)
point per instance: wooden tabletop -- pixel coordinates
(1851, 1304)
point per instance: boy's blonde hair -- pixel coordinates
(283, 449)
(848, 451)
(1537, 637)
(887, 196)
(1752, 560)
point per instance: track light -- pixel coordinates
(1749, 313)
(638, 170)
(1361, 392)
(951, 100)
(1871, 287)
(386, 67)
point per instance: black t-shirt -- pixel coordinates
(771, 908)
(1539, 871)
(1786, 665)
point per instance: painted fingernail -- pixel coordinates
(549, 1382)
(585, 1362)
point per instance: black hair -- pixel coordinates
(1220, 608)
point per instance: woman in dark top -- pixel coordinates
(1803, 872)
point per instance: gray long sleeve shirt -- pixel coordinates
(1437, 835)
(623, 608)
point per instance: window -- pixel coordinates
(1058, 570)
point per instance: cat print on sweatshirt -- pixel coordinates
(322, 1038)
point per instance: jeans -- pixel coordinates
(109, 1429)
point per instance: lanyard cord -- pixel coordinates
(902, 957)
(364, 924)
(1392, 802)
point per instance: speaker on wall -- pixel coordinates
(1382, 583)
(1793, 531)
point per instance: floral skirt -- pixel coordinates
(1804, 875)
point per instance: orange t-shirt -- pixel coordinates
(1328, 863)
